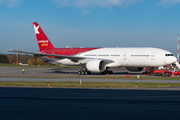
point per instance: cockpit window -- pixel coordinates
(168, 54)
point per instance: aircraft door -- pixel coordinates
(125, 56)
(125, 59)
(153, 56)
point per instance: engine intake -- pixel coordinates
(96, 65)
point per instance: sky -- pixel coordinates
(90, 23)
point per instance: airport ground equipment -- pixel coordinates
(148, 71)
(177, 65)
(165, 71)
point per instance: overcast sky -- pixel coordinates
(90, 23)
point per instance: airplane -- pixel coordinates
(100, 59)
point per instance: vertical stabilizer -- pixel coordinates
(43, 41)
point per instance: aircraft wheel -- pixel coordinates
(102, 73)
(79, 72)
(110, 72)
(88, 73)
(83, 72)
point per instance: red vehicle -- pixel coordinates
(158, 72)
(177, 73)
(167, 73)
(170, 73)
(162, 73)
(148, 71)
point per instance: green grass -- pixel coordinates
(7, 65)
(87, 84)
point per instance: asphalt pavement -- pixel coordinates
(65, 72)
(89, 80)
(48, 103)
(88, 104)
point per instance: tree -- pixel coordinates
(32, 61)
(21, 58)
(4, 59)
(39, 61)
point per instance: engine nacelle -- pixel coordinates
(135, 69)
(96, 65)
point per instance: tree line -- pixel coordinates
(14, 58)
(25, 59)
(4, 59)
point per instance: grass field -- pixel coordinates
(7, 65)
(88, 84)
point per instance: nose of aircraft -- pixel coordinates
(174, 59)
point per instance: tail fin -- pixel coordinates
(43, 41)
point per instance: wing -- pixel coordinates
(73, 58)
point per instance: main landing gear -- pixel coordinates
(84, 72)
(107, 71)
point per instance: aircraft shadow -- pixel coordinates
(62, 71)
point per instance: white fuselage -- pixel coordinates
(128, 57)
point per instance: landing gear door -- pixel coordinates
(153, 56)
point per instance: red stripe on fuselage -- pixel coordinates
(67, 51)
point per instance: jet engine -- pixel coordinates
(96, 65)
(134, 69)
